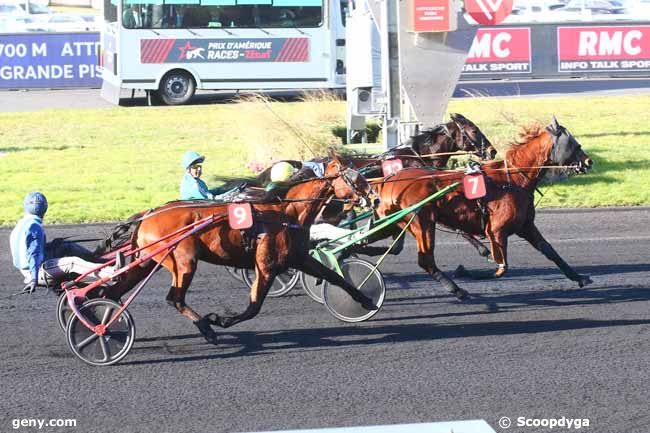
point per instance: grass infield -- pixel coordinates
(106, 164)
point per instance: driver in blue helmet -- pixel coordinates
(42, 263)
(192, 186)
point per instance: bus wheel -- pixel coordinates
(176, 88)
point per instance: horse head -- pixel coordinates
(348, 183)
(471, 139)
(566, 150)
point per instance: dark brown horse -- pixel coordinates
(278, 240)
(431, 148)
(509, 204)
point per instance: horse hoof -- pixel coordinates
(370, 306)
(460, 294)
(500, 272)
(206, 330)
(584, 281)
(366, 302)
(483, 252)
(460, 272)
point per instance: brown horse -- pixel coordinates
(508, 207)
(278, 240)
(431, 148)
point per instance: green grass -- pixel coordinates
(106, 164)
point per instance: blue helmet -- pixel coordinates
(35, 203)
(191, 157)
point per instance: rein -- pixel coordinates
(378, 180)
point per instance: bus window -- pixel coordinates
(196, 14)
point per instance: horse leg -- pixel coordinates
(424, 231)
(534, 237)
(499, 244)
(313, 267)
(182, 274)
(267, 261)
(264, 277)
(483, 251)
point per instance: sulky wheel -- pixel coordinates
(63, 313)
(341, 305)
(282, 284)
(314, 286)
(236, 273)
(106, 349)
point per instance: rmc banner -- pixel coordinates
(49, 60)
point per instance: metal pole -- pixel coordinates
(390, 71)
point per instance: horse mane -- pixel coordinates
(527, 133)
(428, 135)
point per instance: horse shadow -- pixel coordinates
(378, 331)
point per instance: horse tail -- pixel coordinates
(120, 235)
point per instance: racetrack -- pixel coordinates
(530, 345)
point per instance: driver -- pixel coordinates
(192, 186)
(40, 262)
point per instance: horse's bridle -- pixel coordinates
(481, 146)
(350, 177)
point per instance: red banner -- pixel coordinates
(431, 16)
(603, 48)
(499, 50)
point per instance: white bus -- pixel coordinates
(173, 47)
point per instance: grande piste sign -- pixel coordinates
(488, 12)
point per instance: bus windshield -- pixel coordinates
(161, 14)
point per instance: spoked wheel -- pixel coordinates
(282, 284)
(341, 304)
(106, 349)
(63, 313)
(235, 273)
(314, 286)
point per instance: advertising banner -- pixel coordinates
(224, 50)
(497, 51)
(603, 48)
(431, 16)
(49, 60)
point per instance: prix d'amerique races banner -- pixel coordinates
(224, 50)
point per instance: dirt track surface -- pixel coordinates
(530, 345)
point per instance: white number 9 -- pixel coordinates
(239, 214)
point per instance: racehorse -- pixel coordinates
(278, 240)
(507, 209)
(435, 146)
(431, 148)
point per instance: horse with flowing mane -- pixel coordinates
(431, 148)
(278, 240)
(507, 209)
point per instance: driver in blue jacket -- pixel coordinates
(41, 262)
(192, 186)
